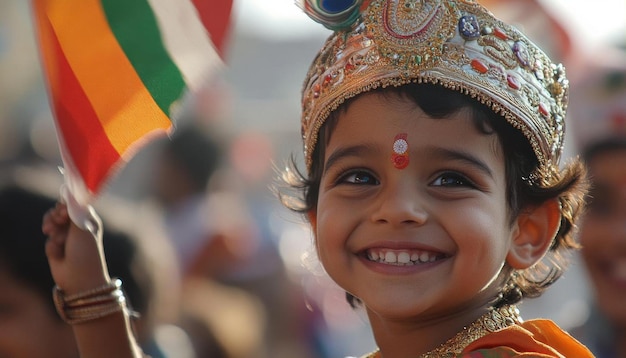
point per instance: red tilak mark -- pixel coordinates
(400, 153)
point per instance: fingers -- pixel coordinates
(55, 220)
(55, 225)
(55, 249)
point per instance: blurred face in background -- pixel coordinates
(603, 232)
(29, 327)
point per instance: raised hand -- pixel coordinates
(78, 265)
(76, 256)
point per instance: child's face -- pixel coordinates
(447, 209)
(603, 232)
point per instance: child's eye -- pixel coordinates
(451, 179)
(359, 177)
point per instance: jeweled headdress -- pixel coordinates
(457, 44)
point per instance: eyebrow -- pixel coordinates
(453, 154)
(443, 153)
(349, 151)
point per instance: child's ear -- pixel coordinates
(536, 228)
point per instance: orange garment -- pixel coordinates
(534, 338)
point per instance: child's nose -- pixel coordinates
(400, 204)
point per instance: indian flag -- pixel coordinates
(115, 70)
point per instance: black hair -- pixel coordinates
(602, 146)
(196, 152)
(22, 243)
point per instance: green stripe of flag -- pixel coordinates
(135, 27)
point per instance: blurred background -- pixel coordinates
(249, 116)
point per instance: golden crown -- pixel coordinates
(454, 43)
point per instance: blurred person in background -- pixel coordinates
(599, 113)
(184, 166)
(234, 282)
(29, 324)
(603, 237)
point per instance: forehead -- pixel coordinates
(372, 121)
(375, 113)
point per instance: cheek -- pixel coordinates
(488, 226)
(328, 230)
(335, 224)
(484, 234)
(321, 230)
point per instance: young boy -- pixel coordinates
(432, 135)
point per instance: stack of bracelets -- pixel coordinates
(92, 304)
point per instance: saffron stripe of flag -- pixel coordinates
(114, 70)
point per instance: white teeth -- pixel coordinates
(404, 258)
(401, 257)
(372, 255)
(390, 257)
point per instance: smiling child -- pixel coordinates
(432, 136)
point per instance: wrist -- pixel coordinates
(90, 304)
(85, 284)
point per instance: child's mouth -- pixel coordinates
(402, 257)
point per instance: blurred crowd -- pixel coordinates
(211, 262)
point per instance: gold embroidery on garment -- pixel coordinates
(491, 321)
